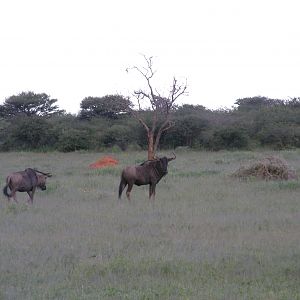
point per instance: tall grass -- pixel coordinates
(207, 236)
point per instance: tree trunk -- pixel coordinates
(151, 152)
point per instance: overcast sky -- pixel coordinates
(225, 49)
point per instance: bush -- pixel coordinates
(29, 133)
(186, 132)
(279, 136)
(133, 147)
(228, 138)
(119, 135)
(73, 139)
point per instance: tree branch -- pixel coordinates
(164, 127)
(161, 106)
(135, 114)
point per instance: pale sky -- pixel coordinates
(225, 49)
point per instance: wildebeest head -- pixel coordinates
(162, 163)
(42, 181)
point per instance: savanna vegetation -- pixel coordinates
(150, 119)
(34, 122)
(207, 236)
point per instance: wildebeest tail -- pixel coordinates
(121, 186)
(5, 191)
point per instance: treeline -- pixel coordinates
(30, 121)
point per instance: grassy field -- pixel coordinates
(207, 236)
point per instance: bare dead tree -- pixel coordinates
(161, 106)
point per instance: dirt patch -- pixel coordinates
(104, 162)
(269, 168)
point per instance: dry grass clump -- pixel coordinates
(269, 168)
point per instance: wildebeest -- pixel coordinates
(25, 181)
(149, 172)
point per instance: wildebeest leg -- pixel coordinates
(152, 192)
(121, 188)
(13, 194)
(30, 197)
(130, 185)
(30, 194)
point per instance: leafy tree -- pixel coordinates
(73, 139)
(161, 107)
(189, 109)
(29, 133)
(3, 128)
(29, 104)
(109, 106)
(256, 103)
(190, 122)
(120, 135)
(229, 138)
(293, 103)
(280, 136)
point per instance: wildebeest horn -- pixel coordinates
(171, 158)
(46, 174)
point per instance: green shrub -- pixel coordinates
(228, 138)
(279, 136)
(73, 139)
(118, 135)
(29, 133)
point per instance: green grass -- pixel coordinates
(207, 236)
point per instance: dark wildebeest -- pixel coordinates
(149, 172)
(25, 181)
